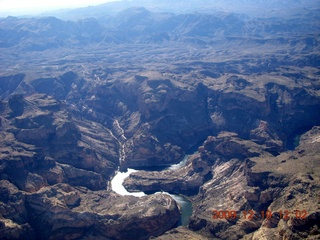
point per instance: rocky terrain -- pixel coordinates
(141, 89)
(246, 178)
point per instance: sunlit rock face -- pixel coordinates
(261, 183)
(80, 212)
(239, 94)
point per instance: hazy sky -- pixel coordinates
(36, 6)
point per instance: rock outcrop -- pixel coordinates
(44, 152)
(284, 183)
(63, 156)
(144, 149)
(186, 180)
(63, 212)
(14, 215)
(271, 196)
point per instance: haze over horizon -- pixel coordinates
(252, 7)
(21, 7)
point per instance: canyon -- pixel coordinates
(81, 100)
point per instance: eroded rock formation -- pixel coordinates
(241, 89)
(260, 183)
(64, 212)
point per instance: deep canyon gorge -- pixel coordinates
(233, 92)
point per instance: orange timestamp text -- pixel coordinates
(251, 214)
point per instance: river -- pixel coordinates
(184, 204)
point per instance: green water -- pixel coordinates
(185, 208)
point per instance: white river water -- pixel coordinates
(117, 181)
(185, 204)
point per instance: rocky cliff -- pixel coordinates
(284, 183)
(80, 100)
(246, 181)
(44, 151)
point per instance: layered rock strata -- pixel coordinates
(44, 152)
(284, 183)
(63, 212)
(186, 180)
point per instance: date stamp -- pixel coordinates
(251, 214)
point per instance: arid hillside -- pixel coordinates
(80, 100)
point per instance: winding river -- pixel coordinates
(184, 204)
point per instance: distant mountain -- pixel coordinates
(139, 25)
(258, 8)
(48, 32)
